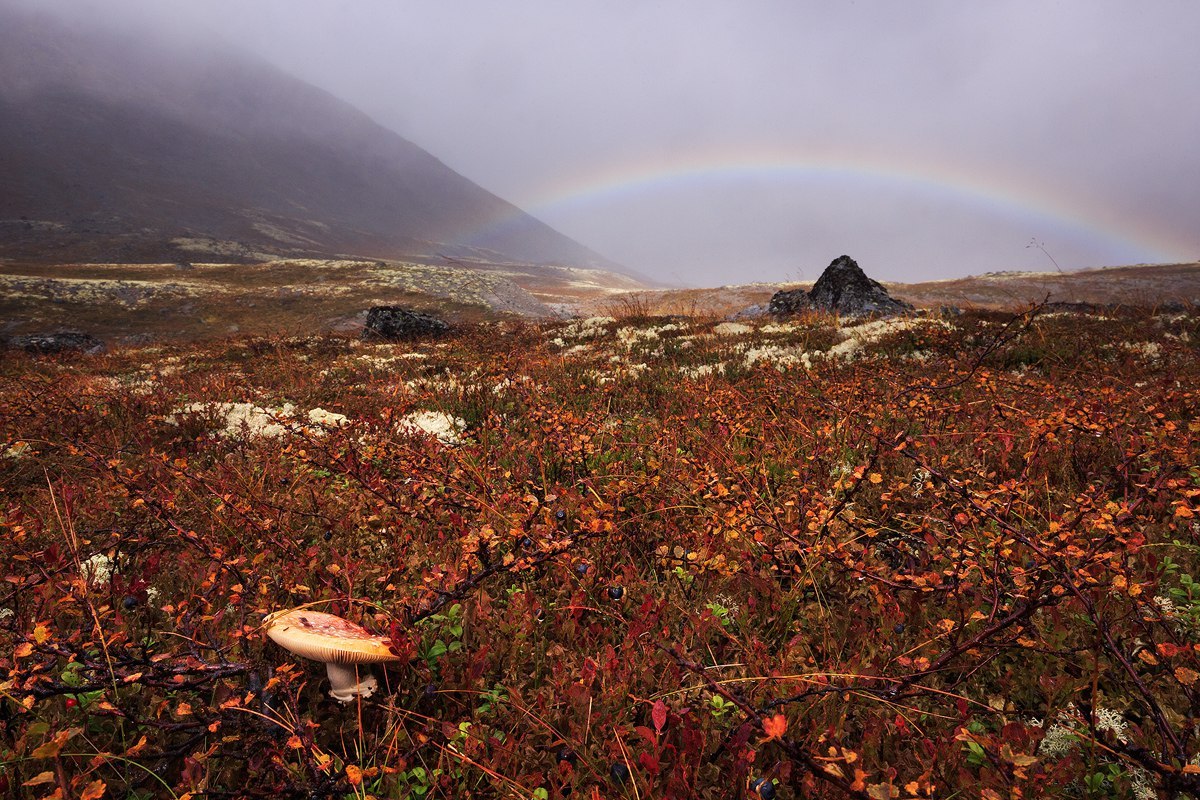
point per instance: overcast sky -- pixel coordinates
(721, 142)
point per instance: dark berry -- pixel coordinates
(328, 536)
(566, 755)
(616, 592)
(899, 628)
(560, 515)
(763, 788)
(129, 602)
(619, 772)
(526, 542)
(284, 481)
(582, 569)
(430, 689)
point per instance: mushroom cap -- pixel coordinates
(324, 637)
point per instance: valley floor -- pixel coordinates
(639, 556)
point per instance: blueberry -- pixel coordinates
(430, 689)
(615, 592)
(129, 602)
(560, 515)
(526, 542)
(582, 569)
(899, 628)
(328, 536)
(565, 755)
(763, 788)
(619, 772)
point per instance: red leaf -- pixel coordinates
(659, 715)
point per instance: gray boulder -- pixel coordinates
(397, 322)
(844, 288)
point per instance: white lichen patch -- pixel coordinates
(630, 336)
(581, 329)
(776, 328)
(447, 429)
(1150, 351)
(732, 329)
(97, 570)
(782, 357)
(857, 336)
(327, 419)
(17, 450)
(702, 370)
(242, 419)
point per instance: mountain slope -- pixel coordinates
(115, 148)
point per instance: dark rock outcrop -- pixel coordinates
(397, 322)
(785, 303)
(58, 342)
(844, 288)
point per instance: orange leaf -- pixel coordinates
(53, 747)
(775, 726)
(40, 778)
(860, 781)
(354, 775)
(1186, 676)
(93, 791)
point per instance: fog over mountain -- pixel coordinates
(119, 146)
(709, 141)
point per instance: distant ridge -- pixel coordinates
(117, 149)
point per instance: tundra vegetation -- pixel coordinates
(623, 558)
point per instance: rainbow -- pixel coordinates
(994, 191)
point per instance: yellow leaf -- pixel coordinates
(41, 633)
(1148, 657)
(93, 791)
(875, 477)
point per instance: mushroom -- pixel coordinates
(339, 643)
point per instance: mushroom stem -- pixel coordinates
(346, 684)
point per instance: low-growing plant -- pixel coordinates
(878, 576)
